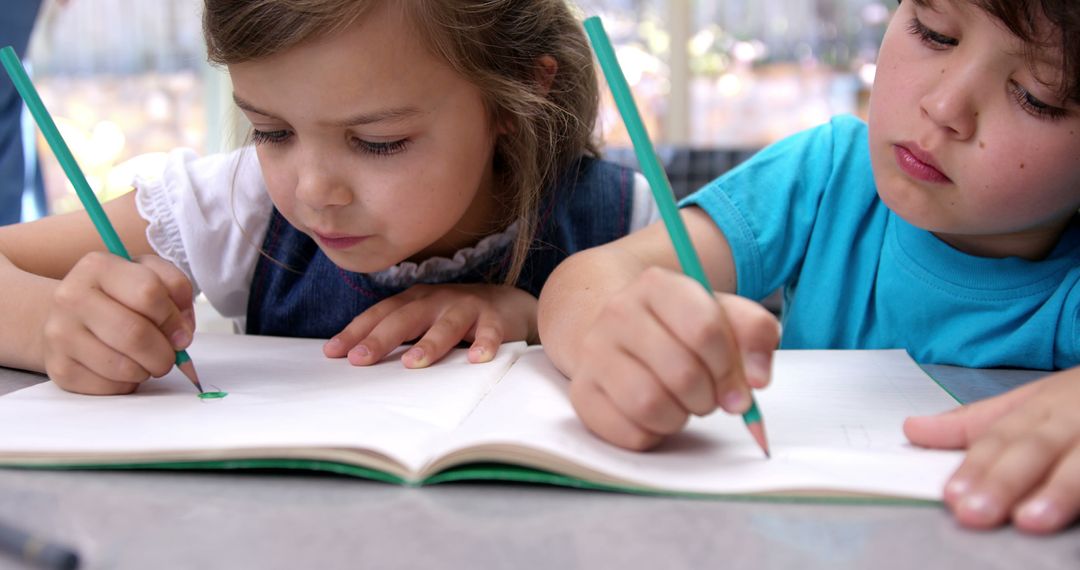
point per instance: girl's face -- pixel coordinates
(371, 145)
(965, 140)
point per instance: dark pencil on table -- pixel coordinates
(36, 550)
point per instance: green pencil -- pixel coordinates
(86, 195)
(661, 187)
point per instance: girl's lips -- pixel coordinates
(338, 241)
(918, 164)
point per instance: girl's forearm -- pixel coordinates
(23, 308)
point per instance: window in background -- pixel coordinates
(740, 73)
(127, 80)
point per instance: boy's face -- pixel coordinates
(370, 145)
(965, 140)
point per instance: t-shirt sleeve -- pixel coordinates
(208, 217)
(645, 210)
(767, 207)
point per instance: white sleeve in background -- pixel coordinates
(645, 211)
(208, 216)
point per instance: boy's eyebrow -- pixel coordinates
(359, 119)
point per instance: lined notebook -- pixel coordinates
(833, 419)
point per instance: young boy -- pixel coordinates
(947, 226)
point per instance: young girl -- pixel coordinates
(408, 180)
(948, 227)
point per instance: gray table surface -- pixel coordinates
(246, 520)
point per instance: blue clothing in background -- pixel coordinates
(297, 291)
(804, 214)
(16, 22)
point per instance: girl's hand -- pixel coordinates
(1023, 460)
(114, 323)
(662, 349)
(485, 315)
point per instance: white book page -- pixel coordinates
(833, 420)
(283, 393)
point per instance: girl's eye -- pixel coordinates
(380, 148)
(930, 38)
(270, 137)
(1034, 106)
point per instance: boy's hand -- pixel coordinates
(662, 349)
(485, 315)
(1023, 460)
(114, 323)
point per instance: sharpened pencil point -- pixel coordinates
(757, 429)
(189, 370)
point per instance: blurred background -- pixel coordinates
(127, 79)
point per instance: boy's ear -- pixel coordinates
(546, 68)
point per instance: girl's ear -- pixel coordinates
(546, 68)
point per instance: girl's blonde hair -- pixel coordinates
(496, 45)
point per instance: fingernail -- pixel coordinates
(478, 353)
(736, 402)
(334, 344)
(180, 338)
(980, 505)
(189, 316)
(1040, 511)
(756, 366)
(415, 357)
(360, 351)
(957, 487)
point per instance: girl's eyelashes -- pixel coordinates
(930, 38)
(1035, 107)
(370, 147)
(270, 137)
(380, 148)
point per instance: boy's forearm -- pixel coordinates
(574, 294)
(23, 308)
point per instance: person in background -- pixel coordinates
(16, 24)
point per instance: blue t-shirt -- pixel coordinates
(803, 214)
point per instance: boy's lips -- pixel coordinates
(918, 164)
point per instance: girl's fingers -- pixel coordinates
(638, 396)
(105, 362)
(340, 344)
(486, 339)
(605, 420)
(74, 377)
(406, 323)
(445, 333)
(1057, 503)
(128, 333)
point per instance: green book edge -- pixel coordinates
(473, 472)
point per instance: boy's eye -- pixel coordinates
(271, 137)
(930, 38)
(1034, 106)
(380, 148)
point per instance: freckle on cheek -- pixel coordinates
(982, 144)
(1021, 166)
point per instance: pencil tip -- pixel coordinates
(189, 370)
(757, 429)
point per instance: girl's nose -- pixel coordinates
(952, 103)
(319, 187)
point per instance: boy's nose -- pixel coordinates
(952, 104)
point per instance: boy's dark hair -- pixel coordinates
(1023, 19)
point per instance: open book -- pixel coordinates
(833, 420)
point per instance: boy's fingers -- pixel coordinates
(1057, 503)
(959, 427)
(636, 393)
(602, 418)
(757, 334)
(447, 330)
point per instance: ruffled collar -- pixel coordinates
(442, 269)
